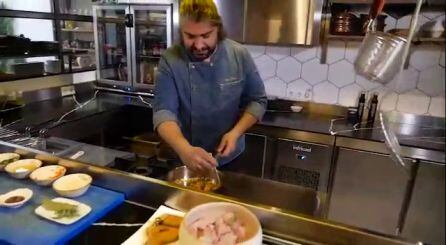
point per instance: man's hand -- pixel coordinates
(197, 159)
(228, 143)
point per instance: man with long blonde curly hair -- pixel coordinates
(208, 91)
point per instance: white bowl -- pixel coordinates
(7, 158)
(296, 108)
(72, 185)
(22, 168)
(24, 192)
(46, 175)
(217, 209)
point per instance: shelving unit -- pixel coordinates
(57, 18)
(326, 23)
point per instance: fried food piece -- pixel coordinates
(161, 234)
(164, 230)
(171, 220)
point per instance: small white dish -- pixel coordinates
(82, 210)
(296, 108)
(46, 175)
(25, 193)
(72, 185)
(7, 158)
(22, 168)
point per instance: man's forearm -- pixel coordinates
(171, 133)
(244, 123)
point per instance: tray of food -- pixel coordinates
(162, 228)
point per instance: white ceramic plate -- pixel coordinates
(83, 210)
(139, 237)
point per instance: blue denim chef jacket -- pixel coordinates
(206, 98)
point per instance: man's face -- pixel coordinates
(199, 38)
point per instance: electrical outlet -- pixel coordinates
(67, 90)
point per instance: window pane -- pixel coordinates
(27, 5)
(34, 29)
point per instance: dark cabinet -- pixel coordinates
(251, 161)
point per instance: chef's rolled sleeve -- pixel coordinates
(165, 106)
(254, 98)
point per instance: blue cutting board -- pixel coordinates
(23, 226)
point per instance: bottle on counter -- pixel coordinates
(361, 105)
(372, 109)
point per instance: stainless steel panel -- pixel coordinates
(380, 147)
(152, 193)
(283, 22)
(368, 191)
(232, 13)
(425, 220)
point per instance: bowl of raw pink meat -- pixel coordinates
(220, 223)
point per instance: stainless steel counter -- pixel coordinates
(151, 192)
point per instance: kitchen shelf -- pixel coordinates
(77, 50)
(42, 15)
(150, 57)
(371, 1)
(77, 30)
(150, 23)
(360, 38)
(28, 55)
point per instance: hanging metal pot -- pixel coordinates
(381, 55)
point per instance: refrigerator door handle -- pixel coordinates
(129, 20)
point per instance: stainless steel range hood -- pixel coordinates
(282, 22)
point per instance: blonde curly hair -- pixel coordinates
(202, 10)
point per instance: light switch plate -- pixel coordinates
(67, 90)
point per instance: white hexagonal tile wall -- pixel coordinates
(405, 81)
(437, 107)
(351, 51)
(425, 56)
(325, 92)
(404, 23)
(277, 53)
(366, 84)
(304, 54)
(314, 72)
(442, 59)
(390, 23)
(348, 95)
(256, 50)
(432, 81)
(432, 14)
(275, 87)
(413, 102)
(341, 73)
(386, 98)
(266, 66)
(288, 69)
(299, 90)
(335, 51)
